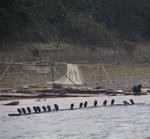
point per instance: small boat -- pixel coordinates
(13, 103)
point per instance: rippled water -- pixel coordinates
(120, 122)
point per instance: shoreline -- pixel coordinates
(62, 93)
(66, 96)
(47, 97)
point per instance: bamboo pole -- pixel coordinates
(106, 74)
(5, 72)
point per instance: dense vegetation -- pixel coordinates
(93, 22)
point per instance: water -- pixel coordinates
(120, 122)
(72, 76)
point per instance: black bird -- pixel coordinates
(19, 110)
(48, 107)
(35, 109)
(38, 109)
(56, 107)
(28, 109)
(105, 103)
(95, 103)
(23, 110)
(81, 104)
(85, 104)
(72, 106)
(112, 102)
(44, 108)
(132, 102)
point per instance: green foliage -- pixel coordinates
(93, 22)
(130, 18)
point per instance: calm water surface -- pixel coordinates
(120, 122)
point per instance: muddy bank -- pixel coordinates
(120, 70)
(112, 76)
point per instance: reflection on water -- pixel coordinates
(126, 122)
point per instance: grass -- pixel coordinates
(40, 46)
(51, 46)
(74, 53)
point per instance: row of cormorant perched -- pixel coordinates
(37, 109)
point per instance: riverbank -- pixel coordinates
(44, 94)
(112, 76)
(120, 69)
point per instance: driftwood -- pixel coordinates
(13, 103)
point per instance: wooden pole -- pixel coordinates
(70, 80)
(53, 74)
(5, 73)
(106, 74)
(101, 73)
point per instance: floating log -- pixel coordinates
(13, 103)
(126, 103)
(17, 114)
(37, 109)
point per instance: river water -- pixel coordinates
(116, 122)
